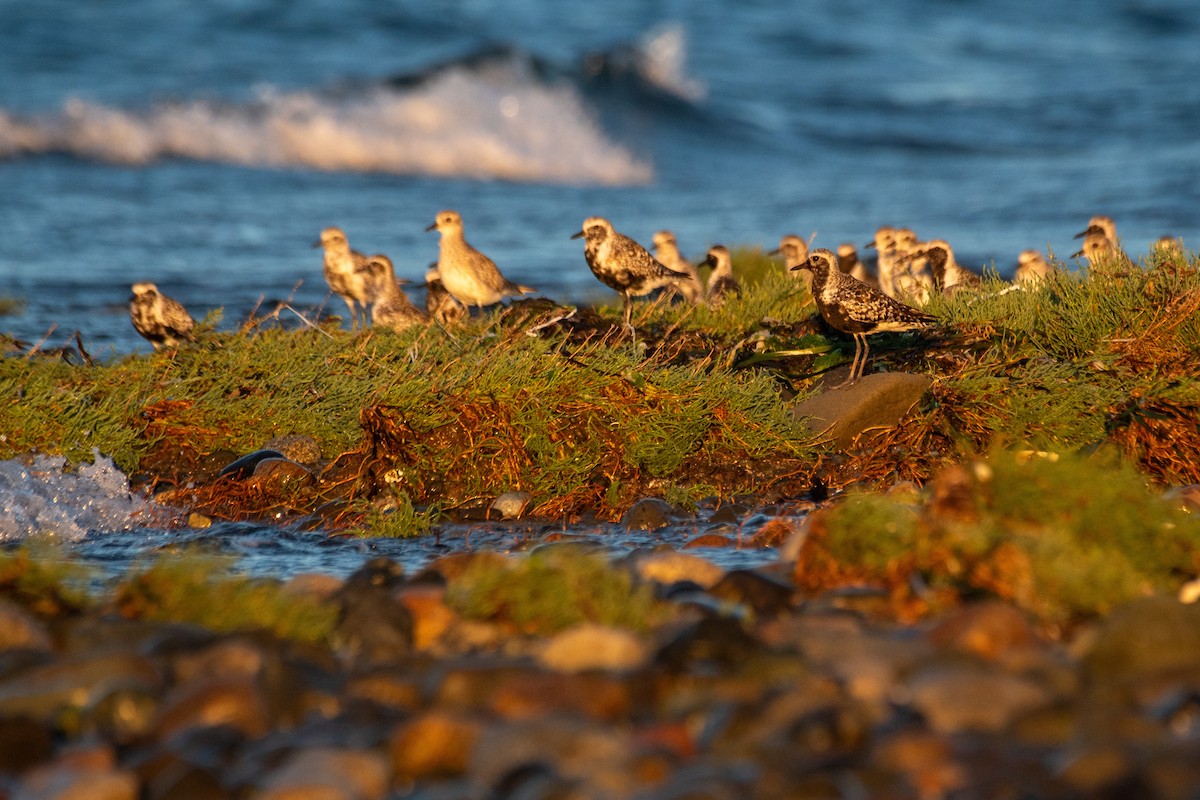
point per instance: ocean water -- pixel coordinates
(204, 145)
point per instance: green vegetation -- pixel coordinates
(196, 590)
(1065, 537)
(553, 589)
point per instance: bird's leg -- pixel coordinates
(353, 313)
(862, 364)
(852, 378)
(627, 323)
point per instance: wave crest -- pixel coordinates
(458, 123)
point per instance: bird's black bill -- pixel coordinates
(578, 235)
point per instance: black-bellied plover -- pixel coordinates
(390, 306)
(948, 274)
(884, 244)
(666, 250)
(468, 275)
(158, 318)
(852, 307)
(343, 274)
(793, 249)
(911, 277)
(849, 263)
(622, 264)
(720, 281)
(1100, 242)
(1032, 267)
(439, 304)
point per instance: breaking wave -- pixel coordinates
(498, 114)
(40, 497)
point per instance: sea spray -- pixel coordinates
(38, 496)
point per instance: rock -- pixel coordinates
(670, 566)
(510, 505)
(23, 744)
(514, 692)
(387, 689)
(279, 474)
(373, 628)
(327, 773)
(79, 773)
(962, 698)
(74, 683)
(20, 629)
(765, 595)
(234, 703)
(297, 447)
(244, 466)
(988, 629)
(434, 745)
(593, 647)
(647, 514)
(712, 642)
(198, 520)
(878, 400)
(598, 760)
(1145, 638)
(431, 617)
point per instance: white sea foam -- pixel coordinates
(39, 497)
(460, 122)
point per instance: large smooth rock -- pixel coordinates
(878, 400)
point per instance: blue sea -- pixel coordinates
(203, 146)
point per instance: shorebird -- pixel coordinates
(852, 307)
(343, 274)
(622, 264)
(158, 318)
(884, 244)
(721, 281)
(438, 302)
(469, 276)
(390, 306)
(793, 249)
(1032, 267)
(948, 274)
(849, 264)
(911, 276)
(1099, 241)
(666, 250)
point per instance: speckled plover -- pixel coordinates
(852, 307)
(343, 274)
(793, 249)
(438, 302)
(622, 264)
(1099, 241)
(468, 275)
(884, 245)
(849, 263)
(720, 281)
(1032, 267)
(158, 318)
(390, 307)
(948, 274)
(666, 250)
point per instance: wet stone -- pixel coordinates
(956, 699)
(593, 647)
(766, 595)
(279, 474)
(434, 745)
(20, 629)
(327, 773)
(648, 514)
(297, 447)
(666, 566)
(510, 505)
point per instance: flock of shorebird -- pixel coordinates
(847, 296)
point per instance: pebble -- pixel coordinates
(593, 647)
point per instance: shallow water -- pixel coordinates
(89, 515)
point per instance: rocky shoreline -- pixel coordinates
(740, 688)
